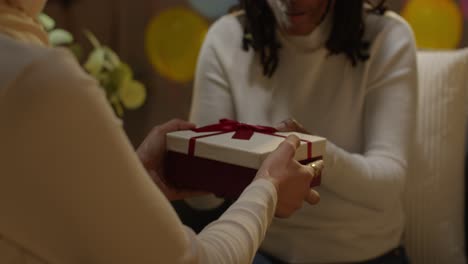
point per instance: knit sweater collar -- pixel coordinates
(311, 42)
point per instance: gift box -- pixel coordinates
(224, 158)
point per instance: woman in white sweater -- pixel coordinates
(346, 72)
(72, 189)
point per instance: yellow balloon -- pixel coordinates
(437, 24)
(173, 40)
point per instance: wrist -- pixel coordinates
(266, 176)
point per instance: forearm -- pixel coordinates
(375, 180)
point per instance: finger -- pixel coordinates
(282, 127)
(175, 125)
(289, 146)
(312, 197)
(294, 125)
(288, 125)
(317, 167)
(291, 125)
(294, 140)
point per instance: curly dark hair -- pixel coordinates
(346, 36)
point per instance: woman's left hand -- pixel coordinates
(291, 125)
(152, 151)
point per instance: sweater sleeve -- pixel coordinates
(376, 177)
(73, 190)
(237, 235)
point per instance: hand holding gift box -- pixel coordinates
(224, 158)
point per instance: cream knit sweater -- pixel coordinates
(366, 112)
(72, 189)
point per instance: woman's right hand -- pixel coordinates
(291, 179)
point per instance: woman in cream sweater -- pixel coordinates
(345, 70)
(72, 189)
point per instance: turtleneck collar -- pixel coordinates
(311, 42)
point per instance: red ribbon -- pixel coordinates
(242, 132)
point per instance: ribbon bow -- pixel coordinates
(243, 131)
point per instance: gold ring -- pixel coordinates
(317, 166)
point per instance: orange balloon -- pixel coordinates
(437, 24)
(173, 41)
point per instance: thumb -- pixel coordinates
(289, 146)
(312, 197)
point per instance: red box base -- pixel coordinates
(224, 180)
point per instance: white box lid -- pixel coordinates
(246, 153)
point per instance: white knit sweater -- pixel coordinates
(367, 113)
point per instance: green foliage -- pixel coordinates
(113, 75)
